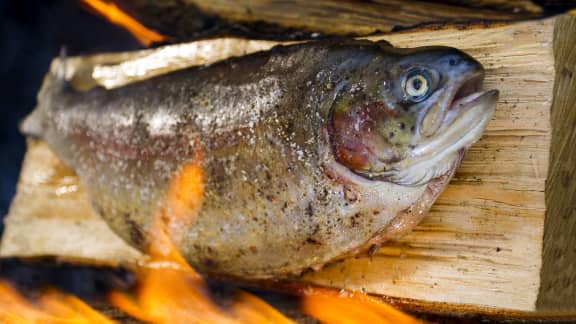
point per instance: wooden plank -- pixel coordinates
(51, 216)
(481, 242)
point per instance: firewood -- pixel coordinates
(500, 239)
(301, 18)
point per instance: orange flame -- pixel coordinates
(347, 307)
(170, 291)
(51, 307)
(118, 17)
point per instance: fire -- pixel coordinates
(347, 307)
(170, 291)
(51, 307)
(118, 17)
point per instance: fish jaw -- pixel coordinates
(466, 119)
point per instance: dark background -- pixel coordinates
(31, 34)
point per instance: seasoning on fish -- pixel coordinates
(308, 152)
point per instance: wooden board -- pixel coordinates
(481, 242)
(482, 245)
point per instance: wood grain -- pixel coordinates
(501, 235)
(481, 242)
(51, 216)
(345, 17)
(287, 19)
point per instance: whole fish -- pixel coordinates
(308, 152)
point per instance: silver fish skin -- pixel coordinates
(309, 152)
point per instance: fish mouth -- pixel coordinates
(469, 90)
(463, 122)
(462, 125)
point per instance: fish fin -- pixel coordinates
(54, 82)
(59, 78)
(32, 124)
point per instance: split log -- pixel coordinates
(500, 238)
(302, 18)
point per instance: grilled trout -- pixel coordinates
(308, 152)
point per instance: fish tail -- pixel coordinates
(54, 83)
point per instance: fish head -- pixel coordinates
(406, 115)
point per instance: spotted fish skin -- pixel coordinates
(277, 135)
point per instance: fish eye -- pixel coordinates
(417, 85)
